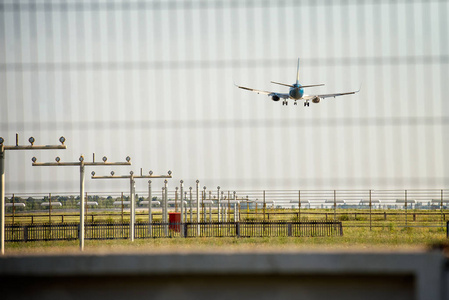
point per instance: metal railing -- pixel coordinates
(102, 231)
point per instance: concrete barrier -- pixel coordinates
(226, 276)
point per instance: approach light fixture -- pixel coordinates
(169, 172)
(128, 158)
(31, 140)
(131, 173)
(93, 173)
(197, 181)
(1, 141)
(62, 140)
(112, 173)
(34, 159)
(151, 173)
(81, 158)
(105, 158)
(57, 159)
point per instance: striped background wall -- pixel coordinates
(154, 80)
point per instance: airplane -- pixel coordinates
(296, 92)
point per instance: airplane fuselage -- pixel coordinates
(296, 92)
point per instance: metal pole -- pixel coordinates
(191, 208)
(218, 198)
(299, 206)
(441, 207)
(235, 208)
(166, 207)
(49, 208)
(182, 206)
(405, 208)
(13, 208)
(81, 237)
(163, 205)
(132, 212)
(223, 209)
(176, 199)
(122, 207)
(203, 197)
(150, 217)
(185, 207)
(198, 207)
(370, 210)
(2, 195)
(228, 209)
(335, 206)
(210, 206)
(86, 206)
(264, 204)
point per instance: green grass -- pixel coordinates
(354, 239)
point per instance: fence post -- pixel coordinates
(237, 229)
(25, 233)
(447, 229)
(185, 229)
(289, 227)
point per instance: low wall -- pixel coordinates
(226, 276)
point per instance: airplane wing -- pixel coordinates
(308, 97)
(280, 95)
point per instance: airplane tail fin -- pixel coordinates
(297, 73)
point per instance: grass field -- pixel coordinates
(354, 239)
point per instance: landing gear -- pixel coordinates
(306, 103)
(296, 103)
(284, 102)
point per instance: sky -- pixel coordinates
(154, 80)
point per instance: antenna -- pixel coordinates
(297, 73)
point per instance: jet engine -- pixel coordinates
(275, 98)
(316, 100)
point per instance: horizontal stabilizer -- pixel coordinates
(303, 86)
